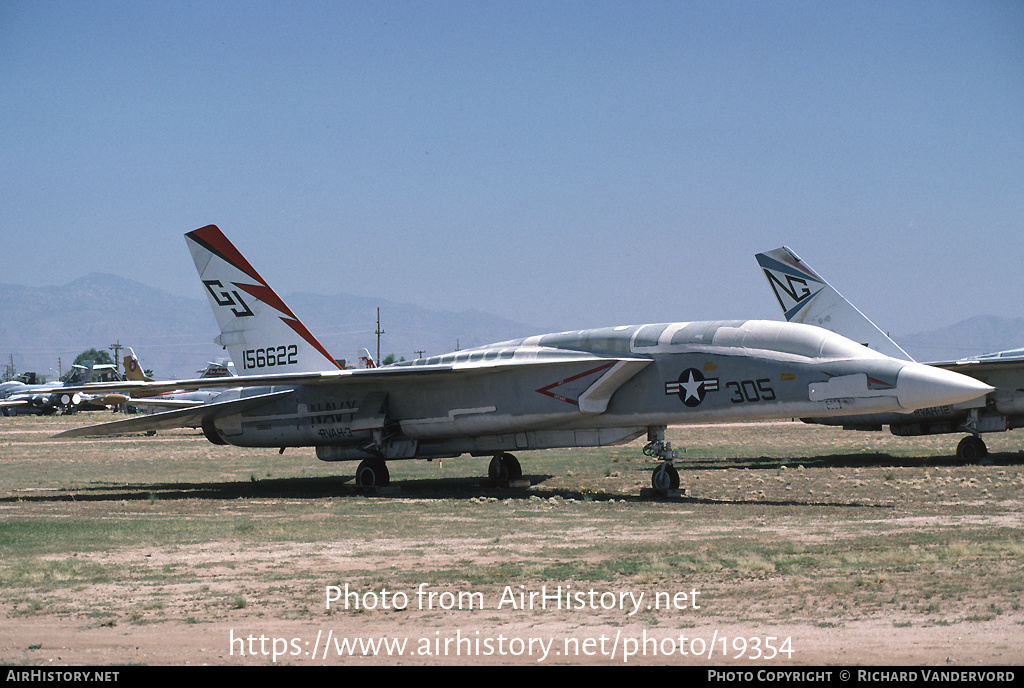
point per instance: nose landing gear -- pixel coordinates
(665, 477)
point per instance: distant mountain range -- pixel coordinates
(46, 327)
(978, 335)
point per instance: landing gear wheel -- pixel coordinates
(504, 468)
(665, 477)
(971, 449)
(372, 473)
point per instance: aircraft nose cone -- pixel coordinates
(919, 386)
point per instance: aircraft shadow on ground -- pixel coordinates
(317, 488)
(848, 461)
(278, 488)
(475, 487)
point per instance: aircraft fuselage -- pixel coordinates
(625, 380)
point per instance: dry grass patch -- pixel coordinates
(795, 528)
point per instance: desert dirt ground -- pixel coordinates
(796, 545)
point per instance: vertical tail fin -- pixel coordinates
(133, 368)
(256, 327)
(807, 298)
(366, 359)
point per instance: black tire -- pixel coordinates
(372, 473)
(210, 431)
(504, 468)
(665, 477)
(971, 449)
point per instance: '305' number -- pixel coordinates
(749, 391)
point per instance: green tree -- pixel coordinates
(95, 355)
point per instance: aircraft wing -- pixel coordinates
(161, 402)
(594, 400)
(14, 402)
(333, 377)
(135, 388)
(173, 419)
(1003, 373)
(975, 364)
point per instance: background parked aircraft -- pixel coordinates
(133, 370)
(19, 397)
(807, 297)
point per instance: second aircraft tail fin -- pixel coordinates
(366, 359)
(133, 369)
(807, 298)
(256, 327)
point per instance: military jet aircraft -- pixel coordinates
(48, 398)
(29, 397)
(570, 389)
(807, 298)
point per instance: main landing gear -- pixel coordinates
(665, 477)
(372, 473)
(971, 448)
(504, 468)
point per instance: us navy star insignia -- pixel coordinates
(692, 386)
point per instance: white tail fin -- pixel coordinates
(366, 359)
(807, 298)
(256, 327)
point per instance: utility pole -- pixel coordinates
(116, 348)
(420, 352)
(378, 332)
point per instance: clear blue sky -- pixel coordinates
(565, 164)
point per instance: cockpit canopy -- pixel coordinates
(794, 339)
(788, 338)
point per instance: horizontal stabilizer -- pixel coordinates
(180, 418)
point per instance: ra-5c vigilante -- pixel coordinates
(571, 389)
